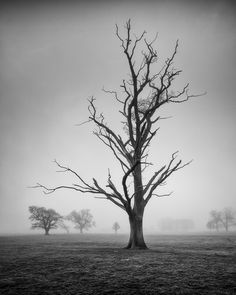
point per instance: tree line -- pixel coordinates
(48, 219)
(83, 220)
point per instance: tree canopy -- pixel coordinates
(116, 226)
(83, 219)
(43, 218)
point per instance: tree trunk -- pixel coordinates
(46, 232)
(226, 226)
(136, 239)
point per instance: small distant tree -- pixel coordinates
(228, 218)
(43, 218)
(210, 225)
(83, 219)
(215, 220)
(64, 226)
(116, 227)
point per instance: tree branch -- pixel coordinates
(152, 184)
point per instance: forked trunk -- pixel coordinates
(136, 239)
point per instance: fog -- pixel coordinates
(55, 55)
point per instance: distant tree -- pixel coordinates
(116, 227)
(210, 225)
(43, 218)
(215, 220)
(64, 226)
(83, 219)
(228, 218)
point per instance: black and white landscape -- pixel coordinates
(117, 147)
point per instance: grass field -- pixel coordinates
(97, 264)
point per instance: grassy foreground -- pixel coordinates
(97, 264)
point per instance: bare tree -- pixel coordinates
(43, 218)
(64, 226)
(116, 227)
(210, 225)
(83, 219)
(215, 220)
(142, 95)
(228, 218)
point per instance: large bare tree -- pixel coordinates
(142, 95)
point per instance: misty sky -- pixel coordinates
(55, 55)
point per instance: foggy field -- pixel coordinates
(97, 264)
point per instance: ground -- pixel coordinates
(97, 264)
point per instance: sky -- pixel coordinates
(54, 55)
